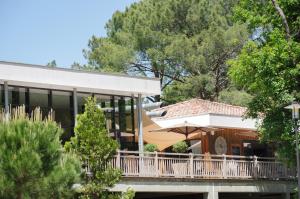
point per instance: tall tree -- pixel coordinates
(33, 163)
(173, 40)
(268, 66)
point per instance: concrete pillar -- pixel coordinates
(286, 195)
(75, 104)
(211, 195)
(6, 103)
(140, 123)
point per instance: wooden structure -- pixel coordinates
(175, 165)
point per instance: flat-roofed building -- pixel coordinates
(65, 90)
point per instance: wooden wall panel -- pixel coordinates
(233, 137)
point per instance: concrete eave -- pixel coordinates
(66, 79)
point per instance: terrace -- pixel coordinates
(201, 166)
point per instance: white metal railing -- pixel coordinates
(178, 165)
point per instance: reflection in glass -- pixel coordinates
(39, 98)
(81, 99)
(63, 111)
(1, 97)
(16, 96)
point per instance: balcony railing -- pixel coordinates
(205, 166)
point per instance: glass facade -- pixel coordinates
(1, 97)
(16, 96)
(118, 110)
(62, 105)
(38, 98)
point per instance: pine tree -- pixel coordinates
(96, 150)
(33, 163)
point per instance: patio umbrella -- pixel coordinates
(187, 129)
(122, 134)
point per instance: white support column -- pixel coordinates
(287, 195)
(140, 123)
(6, 103)
(211, 195)
(75, 104)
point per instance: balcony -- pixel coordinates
(200, 166)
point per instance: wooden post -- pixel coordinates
(118, 161)
(191, 165)
(224, 166)
(255, 168)
(156, 164)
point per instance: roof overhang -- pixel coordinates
(66, 79)
(212, 120)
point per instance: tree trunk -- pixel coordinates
(157, 75)
(283, 18)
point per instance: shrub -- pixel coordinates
(150, 148)
(180, 147)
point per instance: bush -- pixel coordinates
(180, 147)
(150, 148)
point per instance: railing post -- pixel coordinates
(255, 168)
(191, 165)
(156, 164)
(118, 161)
(224, 166)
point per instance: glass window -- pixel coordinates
(16, 96)
(81, 99)
(236, 150)
(128, 139)
(62, 104)
(1, 97)
(39, 98)
(104, 102)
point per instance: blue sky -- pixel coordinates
(38, 31)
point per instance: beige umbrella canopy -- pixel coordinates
(187, 129)
(122, 134)
(161, 139)
(164, 138)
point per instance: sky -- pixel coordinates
(39, 31)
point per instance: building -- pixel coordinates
(157, 175)
(65, 90)
(225, 162)
(235, 133)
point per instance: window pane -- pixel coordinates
(1, 96)
(61, 103)
(81, 99)
(104, 102)
(16, 96)
(39, 98)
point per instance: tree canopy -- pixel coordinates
(184, 43)
(268, 66)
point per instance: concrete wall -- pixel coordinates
(210, 188)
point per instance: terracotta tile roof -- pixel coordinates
(199, 106)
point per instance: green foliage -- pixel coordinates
(174, 40)
(235, 97)
(263, 15)
(33, 163)
(269, 69)
(96, 149)
(52, 64)
(180, 147)
(150, 148)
